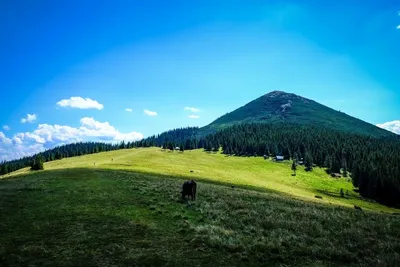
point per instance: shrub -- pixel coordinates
(37, 163)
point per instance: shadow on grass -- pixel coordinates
(101, 217)
(156, 176)
(150, 175)
(90, 217)
(71, 238)
(339, 196)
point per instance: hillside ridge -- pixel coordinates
(281, 107)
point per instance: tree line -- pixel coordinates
(60, 152)
(83, 148)
(373, 163)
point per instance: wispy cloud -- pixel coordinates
(47, 136)
(80, 102)
(29, 118)
(398, 27)
(194, 116)
(191, 109)
(393, 126)
(150, 113)
(6, 128)
(128, 109)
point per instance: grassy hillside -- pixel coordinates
(250, 172)
(279, 106)
(122, 208)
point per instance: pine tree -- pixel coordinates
(37, 163)
(207, 146)
(170, 146)
(4, 168)
(216, 147)
(328, 164)
(122, 145)
(294, 167)
(295, 157)
(188, 144)
(308, 161)
(344, 165)
(228, 150)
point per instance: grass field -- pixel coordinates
(122, 208)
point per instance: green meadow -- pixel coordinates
(123, 208)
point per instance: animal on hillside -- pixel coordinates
(189, 189)
(357, 207)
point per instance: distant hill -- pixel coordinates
(278, 107)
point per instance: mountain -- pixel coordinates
(281, 107)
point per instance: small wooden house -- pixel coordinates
(279, 158)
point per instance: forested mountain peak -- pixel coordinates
(279, 106)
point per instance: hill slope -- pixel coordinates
(279, 106)
(252, 172)
(124, 210)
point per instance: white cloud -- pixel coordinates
(79, 102)
(194, 116)
(6, 128)
(393, 126)
(47, 136)
(150, 113)
(194, 110)
(398, 27)
(128, 109)
(29, 118)
(4, 139)
(17, 139)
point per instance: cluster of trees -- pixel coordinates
(374, 163)
(65, 151)
(177, 137)
(37, 163)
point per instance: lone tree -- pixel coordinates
(37, 163)
(294, 167)
(344, 164)
(181, 148)
(308, 161)
(341, 192)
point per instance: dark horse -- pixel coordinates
(189, 189)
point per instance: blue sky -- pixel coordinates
(75, 66)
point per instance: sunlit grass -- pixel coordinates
(244, 171)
